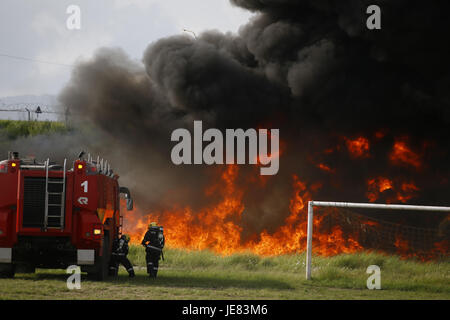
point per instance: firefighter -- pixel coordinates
(154, 243)
(119, 256)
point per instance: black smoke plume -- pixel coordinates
(308, 67)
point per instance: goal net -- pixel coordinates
(340, 227)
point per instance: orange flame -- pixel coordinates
(408, 191)
(402, 155)
(402, 246)
(324, 167)
(218, 227)
(358, 148)
(377, 186)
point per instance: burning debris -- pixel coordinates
(364, 116)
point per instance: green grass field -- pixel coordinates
(13, 129)
(204, 275)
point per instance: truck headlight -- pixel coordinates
(97, 232)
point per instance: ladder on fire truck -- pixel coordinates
(51, 195)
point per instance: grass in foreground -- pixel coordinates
(204, 275)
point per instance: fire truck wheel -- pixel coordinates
(7, 270)
(102, 264)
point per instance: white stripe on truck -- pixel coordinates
(5, 255)
(85, 257)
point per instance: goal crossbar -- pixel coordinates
(312, 204)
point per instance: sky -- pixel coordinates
(38, 30)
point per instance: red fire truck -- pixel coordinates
(54, 217)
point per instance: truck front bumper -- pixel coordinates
(44, 252)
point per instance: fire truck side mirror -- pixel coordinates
(127, 194)
(130, 204)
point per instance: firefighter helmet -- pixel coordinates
(153, 224)
(125, 237)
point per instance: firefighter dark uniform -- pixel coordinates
(119, 256)
(154, 243)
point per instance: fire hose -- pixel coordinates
(158, 249)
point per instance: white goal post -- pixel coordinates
(312, 204)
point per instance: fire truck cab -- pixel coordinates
(54, 217)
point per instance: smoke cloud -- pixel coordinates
(308, 67)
